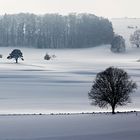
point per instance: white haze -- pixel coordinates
(106, 8)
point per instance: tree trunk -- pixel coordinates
(113, 109)
(16, 60)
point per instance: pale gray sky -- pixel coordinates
(105, 8)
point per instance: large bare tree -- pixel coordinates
(112, 87)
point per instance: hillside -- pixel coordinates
(61, 85)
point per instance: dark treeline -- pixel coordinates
(54, 30)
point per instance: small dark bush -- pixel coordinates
(47, 57)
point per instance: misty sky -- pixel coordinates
(105, 8)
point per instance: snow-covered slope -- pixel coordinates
(62, 84)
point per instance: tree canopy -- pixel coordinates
(16, 54)
(118, 44)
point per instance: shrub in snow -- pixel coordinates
(53, 56)
(48, 57)
(135, 38)
(118, 44)
(16, 54)
(130, 27)
(112, 87)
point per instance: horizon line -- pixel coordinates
(123, 17)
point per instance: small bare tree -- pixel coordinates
(135, 38)
(16, 54)
(112, 87)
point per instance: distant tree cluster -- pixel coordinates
(135, 38)
(54, 30)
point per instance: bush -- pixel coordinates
(118, 44)
(47, 57)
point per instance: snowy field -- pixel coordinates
(62, 85)
(71, 127)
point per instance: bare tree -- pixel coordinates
(112, 87)
(135, 38)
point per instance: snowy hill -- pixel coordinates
(62, 84)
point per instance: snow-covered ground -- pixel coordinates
(71, 127)
(62, 84)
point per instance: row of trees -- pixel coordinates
(54, 30)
